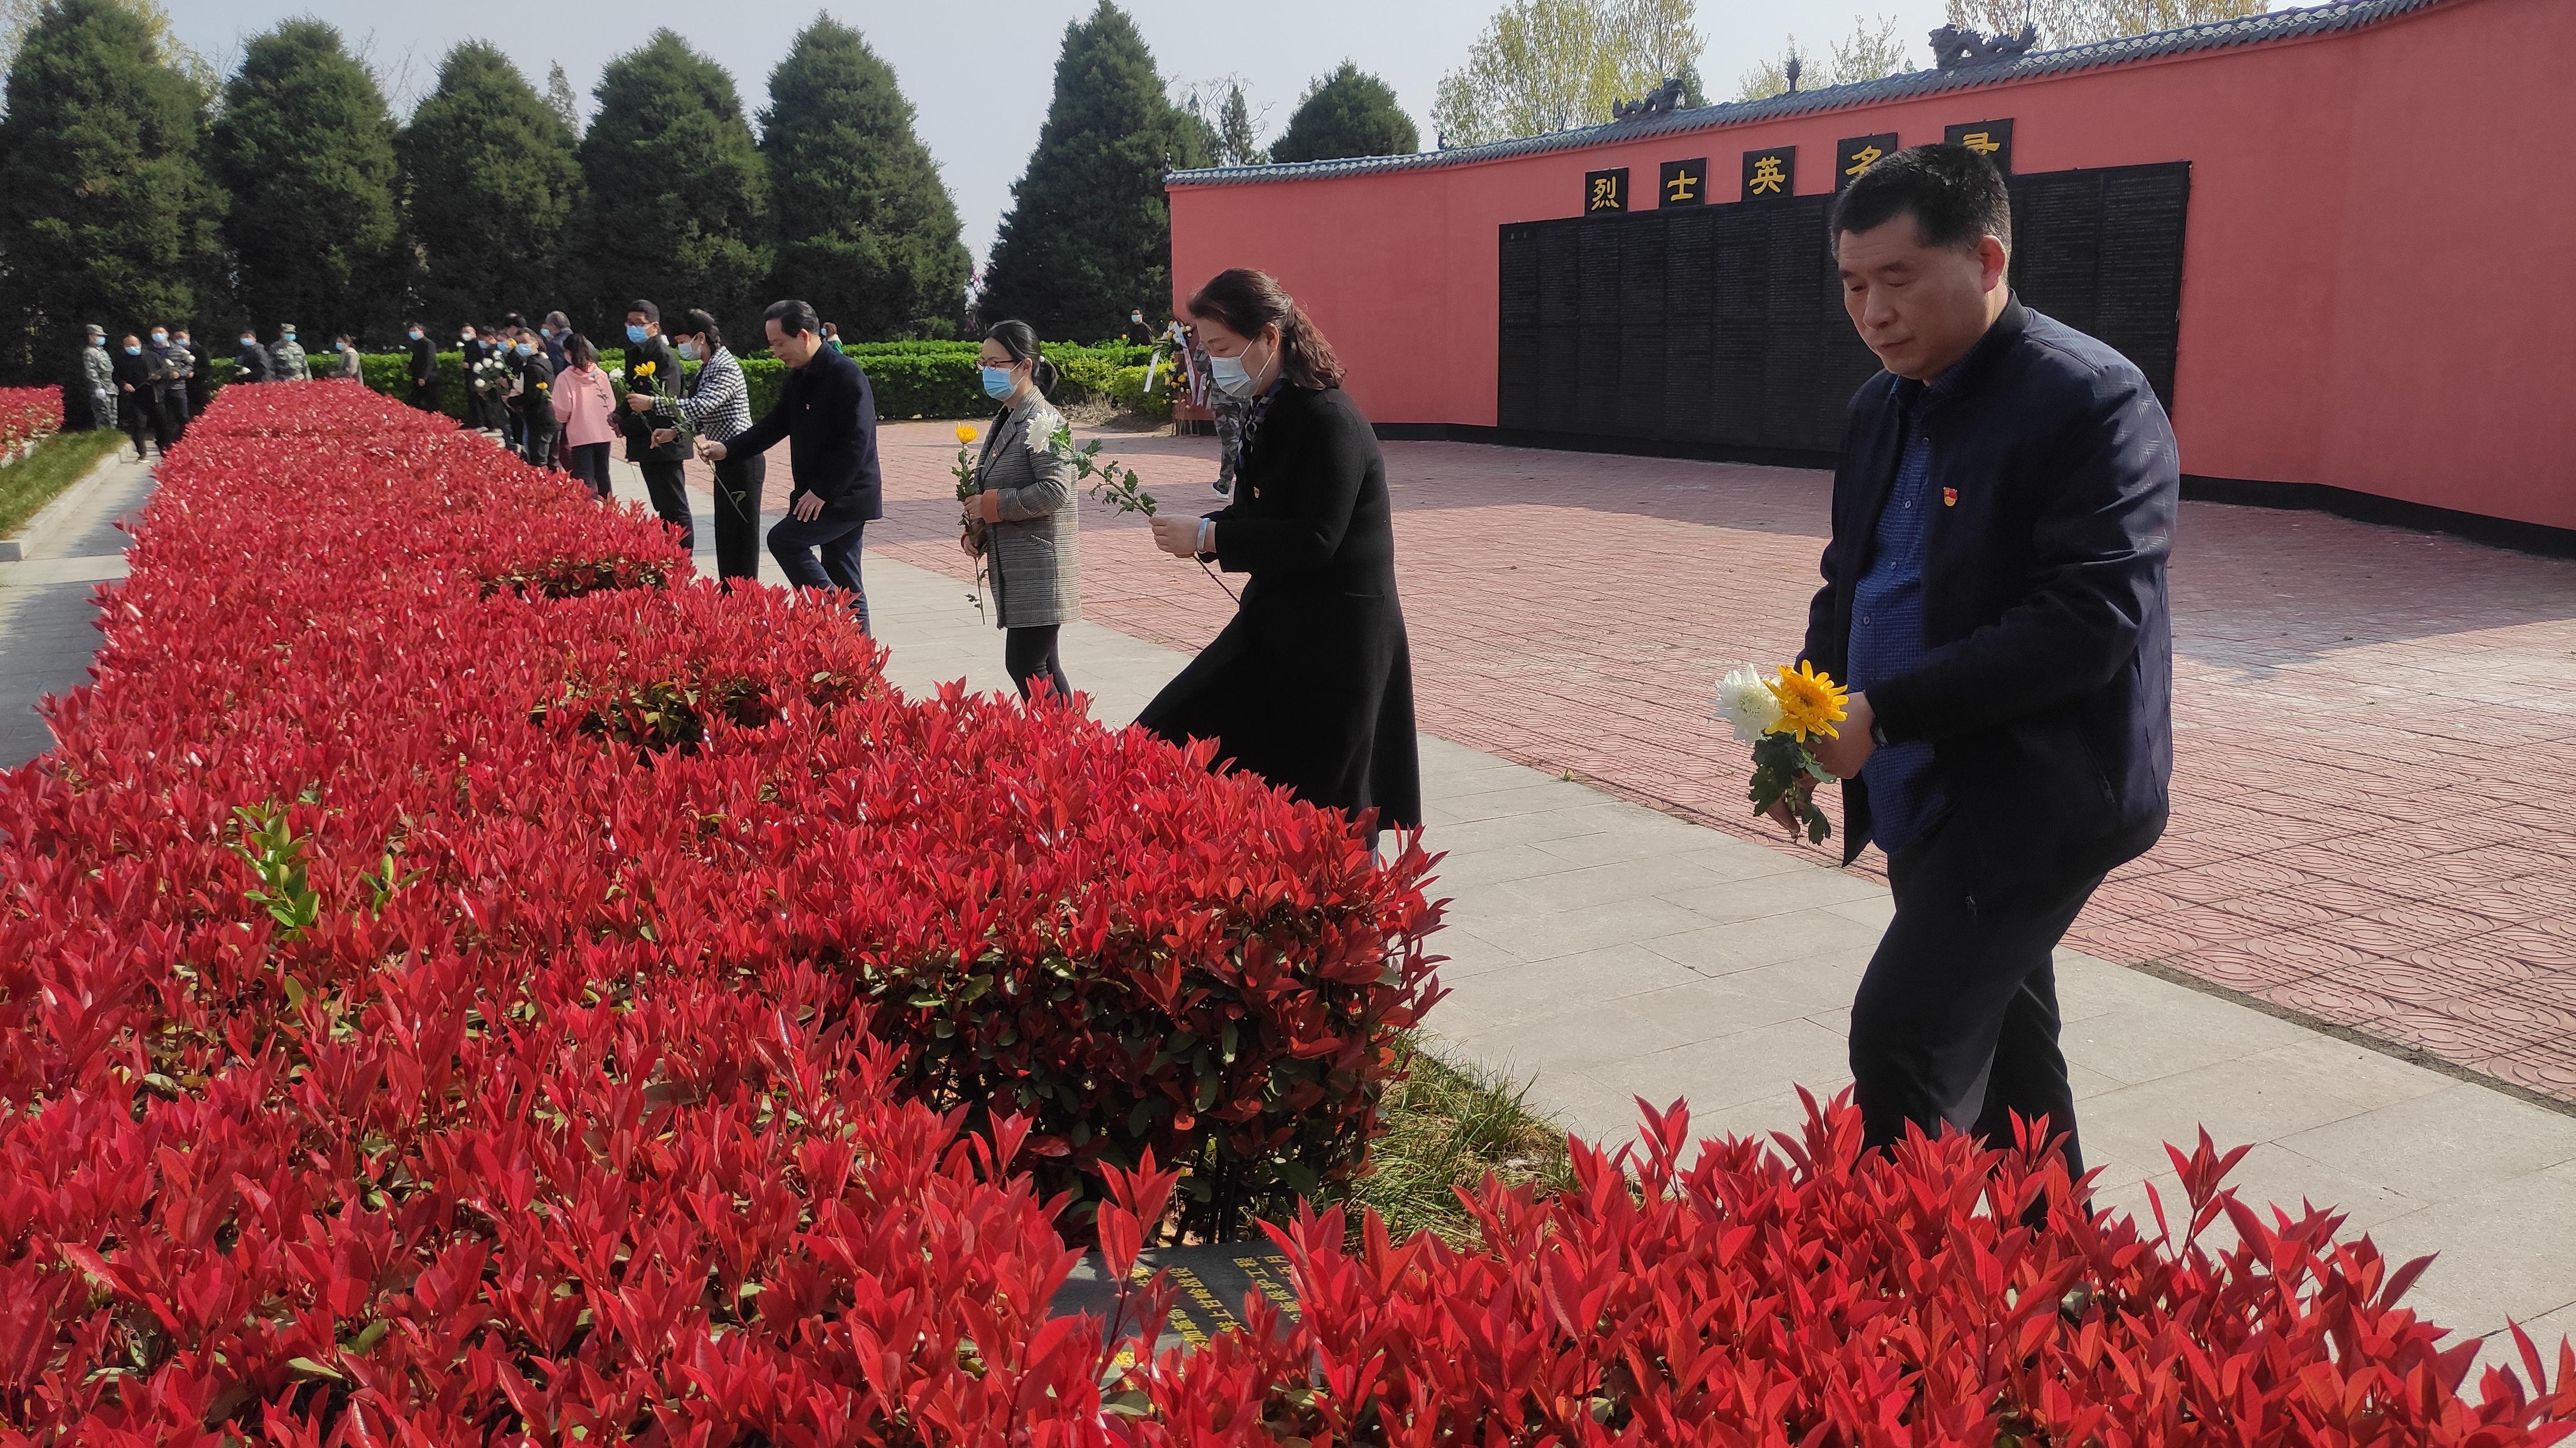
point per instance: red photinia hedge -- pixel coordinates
(28, 413)
(434, 1008)
(451, 994)
(1814, 1295)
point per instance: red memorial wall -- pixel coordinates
(2380, 226)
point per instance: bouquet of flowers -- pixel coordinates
(493, 376)
(1777, 716)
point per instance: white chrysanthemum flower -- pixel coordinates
(1746, 703)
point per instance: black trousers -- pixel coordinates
(795, 541)
(537, 439)
(667, 480)
(1956, 1021)
(169, 417)
(589, 462)
(142, 419)
(738, 484)
(1030, 654)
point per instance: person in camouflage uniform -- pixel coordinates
(286, 359)
(1229, 437)
(99, 371)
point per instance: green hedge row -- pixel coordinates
(911, 379)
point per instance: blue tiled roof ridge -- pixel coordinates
(2271, 25)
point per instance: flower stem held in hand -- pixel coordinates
(973, 531)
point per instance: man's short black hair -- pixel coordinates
(1955, 195)
(794, 318)
(652, 313)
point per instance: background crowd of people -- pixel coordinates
(152, 385)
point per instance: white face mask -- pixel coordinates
(1230, 375)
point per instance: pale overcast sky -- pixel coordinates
(980, 74)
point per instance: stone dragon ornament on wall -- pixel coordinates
(1954, 46)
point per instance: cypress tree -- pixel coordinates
(490, 183)
(866, 229)
(106, 212)
(1346, 113)
(1089, 236)
(306, 147)
(678, 196)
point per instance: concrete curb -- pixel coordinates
(50, 519)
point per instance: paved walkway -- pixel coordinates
(45, 635)
(2377, 728)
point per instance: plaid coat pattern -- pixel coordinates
(1035, 552)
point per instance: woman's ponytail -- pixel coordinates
(1045, 375)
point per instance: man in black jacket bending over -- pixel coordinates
(829, 417)
(1995, 598)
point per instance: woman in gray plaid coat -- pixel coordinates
(1023, 516)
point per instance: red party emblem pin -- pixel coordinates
(1949, 497)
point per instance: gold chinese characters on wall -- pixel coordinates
(1771, 173)
(1856, 154)
(1684, 183)
(1990, 139)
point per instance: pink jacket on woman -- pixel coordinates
(585, 406)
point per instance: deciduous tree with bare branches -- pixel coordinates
(1549, 65)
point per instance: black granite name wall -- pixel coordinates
(1723, 326)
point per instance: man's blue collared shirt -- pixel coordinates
(1887, 634)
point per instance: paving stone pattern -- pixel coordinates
(2376, 730)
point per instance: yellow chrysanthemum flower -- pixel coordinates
(645, 369)
(1810, 703)
(965, 433)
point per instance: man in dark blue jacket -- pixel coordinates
(828, 416)
(1995, 598)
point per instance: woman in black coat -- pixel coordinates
(1311, 685)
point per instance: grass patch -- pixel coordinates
(61, 460)
(1446, 1126)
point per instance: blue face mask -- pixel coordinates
(414, 334)
(160, 339)
(290, 334)
(635, 334)
(134, 351)
(523, 349)
(688, 351)
(997, 382)
(1233, 378)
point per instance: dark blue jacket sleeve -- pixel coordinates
(2098, 550)
(765, 434)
